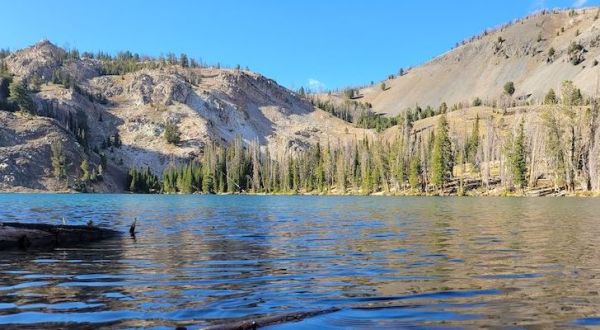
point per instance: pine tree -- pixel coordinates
(517, 158)
(19, 96)
(340, 173)
(85, 170)
(509, 88)
(473, 142)
(302, 92)
(172, 134)
(571, 95)
(207, 180)
(59, 161)
(133, 181)
(550, 97)
(554, 149)
(183, 61)
(117, 140)
(414, 173)
(398, 161)
(442, 161)
(94, 175)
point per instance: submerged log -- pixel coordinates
(272, 320)
(31, 235)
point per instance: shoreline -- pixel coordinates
(504, 194)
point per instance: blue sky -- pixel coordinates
(326, 43)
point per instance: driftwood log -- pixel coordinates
(30, 235)
(266, 321)
(270, 320)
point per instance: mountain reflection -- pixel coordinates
(201, 260)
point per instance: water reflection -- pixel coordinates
(388, 262)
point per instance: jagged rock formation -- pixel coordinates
(25, 154)
(209, 105)
(43, 59)
(124, 116)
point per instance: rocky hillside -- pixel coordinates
(536, 53)
(111, 114)
(25, 152)
(123, 116)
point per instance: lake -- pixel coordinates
(385, 262)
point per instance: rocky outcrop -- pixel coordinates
(123, 117)
(82, 70)
(159, 88)
(41, 60)
(25, 152)
(44, 59)
(106, 86)
(244, 86)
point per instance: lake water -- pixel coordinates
(384, 261)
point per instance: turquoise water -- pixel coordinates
(384, 261)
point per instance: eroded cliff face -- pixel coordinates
(26, 156)
(208, 105)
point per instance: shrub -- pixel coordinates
(550, 97)
(349, 93)
(172, 134)
(575, 52)
(509, 88)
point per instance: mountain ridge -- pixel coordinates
(208, 104)
(478, 68)
(127, 119)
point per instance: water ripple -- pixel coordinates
(384, 262)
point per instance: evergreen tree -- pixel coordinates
(94, 175)
(207, 180)
(517, 158)
(117, 140)
(85, 170)
(183, 61)
(442, 161)
(302, 92)
(473, 142)
(19, 96)
(58, 160)
(172, 134)
(571, 95)
(414, 173)
(509, 88)
(143, 181)
(133, 184)
(443, 108)
(550, 97)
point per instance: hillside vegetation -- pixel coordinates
(128, 111)
(536, 53)
(513, 111)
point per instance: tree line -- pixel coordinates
(364, 166)
(512, 152)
